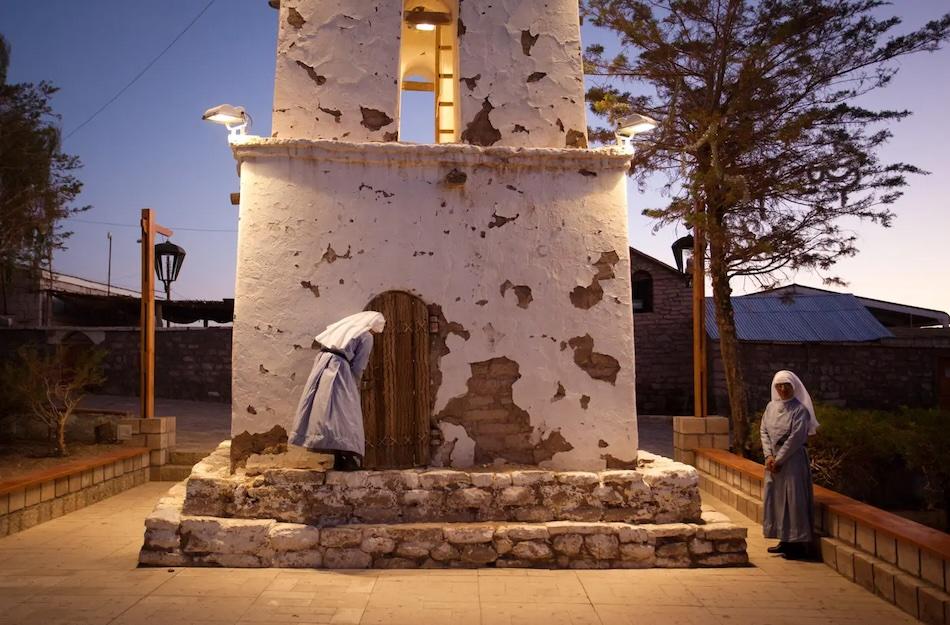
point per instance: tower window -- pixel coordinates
(428, 70)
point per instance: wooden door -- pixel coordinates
(395, 385)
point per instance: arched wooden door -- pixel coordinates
(395, 385)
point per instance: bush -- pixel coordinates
(51, 384)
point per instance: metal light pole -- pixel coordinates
(109, 270)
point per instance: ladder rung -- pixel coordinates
(442, 131)
(446, 76)
(445, 47)
(446, 103)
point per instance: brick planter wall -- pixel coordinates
(49, 494)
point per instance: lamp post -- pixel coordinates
(695, 267)
(147, 314)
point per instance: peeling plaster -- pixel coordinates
(331, 256)
(374, 119)
(527, 42)
(480, 131)
(522, 292)
(560, 393)
(461, 452)
(598, 366)
(585, 401)
(589, 296)
(313, 288)
(497, 221)
(472, 82)
(535, 77)
(294, 18)
(312, 73)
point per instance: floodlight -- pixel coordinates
(630, 126)
(235, 118)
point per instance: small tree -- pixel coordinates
(51, 384)
(761, 137)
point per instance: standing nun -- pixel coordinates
(788, 421)
(329, 417)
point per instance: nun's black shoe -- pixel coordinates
(779, 548)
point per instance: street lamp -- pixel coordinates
(168, 260)
(630, 126)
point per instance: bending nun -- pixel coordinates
(329, 416)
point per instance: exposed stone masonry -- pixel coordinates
(660, 491)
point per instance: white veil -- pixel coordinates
(339, 334)
(801, 394)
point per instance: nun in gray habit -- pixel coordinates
(787, 511)
(329, 416)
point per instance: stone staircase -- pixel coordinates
(274, 513)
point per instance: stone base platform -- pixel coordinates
(659, 490)
(277, 513)
(175, 539)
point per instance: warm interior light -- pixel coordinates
(425, 26)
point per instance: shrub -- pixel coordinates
(51, 384)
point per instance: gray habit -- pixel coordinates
(329, 416)
(788, 504)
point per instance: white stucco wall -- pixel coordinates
(337, 70)
(536, 218)
(523, 57)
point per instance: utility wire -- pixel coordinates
(142, 73)
(118, 225)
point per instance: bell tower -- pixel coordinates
(505, 73)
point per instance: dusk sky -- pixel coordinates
(151, 149)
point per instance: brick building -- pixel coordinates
(849, 350)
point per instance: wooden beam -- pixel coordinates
(699, 317)
(414, 85)
(147, 313)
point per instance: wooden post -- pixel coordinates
(700, 398)
(147, 313)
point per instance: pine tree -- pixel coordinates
(762, 137)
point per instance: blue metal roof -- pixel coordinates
(836, 317)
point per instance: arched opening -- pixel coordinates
(642, 292)
(395, 385)
(428, 72)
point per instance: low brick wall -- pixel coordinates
(190, 363)
(901, 561)
(692, 433)
(46, 495)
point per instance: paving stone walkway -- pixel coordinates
(81, 569)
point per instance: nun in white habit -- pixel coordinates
(787, 511)
(329, 416)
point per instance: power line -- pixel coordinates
(120, 225)
(142, 73)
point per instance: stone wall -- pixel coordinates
(883, 375)
(524, 250)
(659, 491)
(663, 339)
(190, 363)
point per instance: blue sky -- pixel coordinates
(151, 149)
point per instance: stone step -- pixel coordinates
(190, 457)
(175, 539)
(170, 472)
(659, 491)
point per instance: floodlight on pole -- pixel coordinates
(630, 126)
(234, 118)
